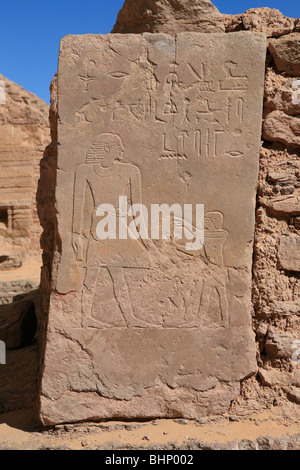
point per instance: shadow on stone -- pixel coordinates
(19, 376)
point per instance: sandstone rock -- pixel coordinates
(279, 443)
(266, 20)
(287, 206)
(152, 330)
(293, 394)
(275, 291)
(282, 94)
(46, 188)
(279, 127)
(282, 205)
(168, 16)
(24, 132)
(282, 178)
(273, 377)
(286, 53)
(262, 331)
(282, 309)
(289, 253)
(280, 345)
(296, 222)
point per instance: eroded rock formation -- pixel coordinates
(266, 20)
(168, 16)
(276, 281)
(24, 132)
(171, 17)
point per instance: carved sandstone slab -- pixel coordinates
(143, 328)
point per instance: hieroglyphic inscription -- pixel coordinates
(204, 104)
(87, 77)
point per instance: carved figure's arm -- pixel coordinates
(78, 205)
(136, 198)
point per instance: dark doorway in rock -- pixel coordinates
(3, 217)
(29, 326)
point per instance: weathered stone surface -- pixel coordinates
(282, 93)
(283, 205)
(282, 309)
(296, 222)
(279, 127)
(24, 132)
(289, 253)
(282, 178)
(293, 394)
(286, 53)
(139, 330)
(168, 16)
(276, 291)
(265, 20)
(273, 377)
(280, 345)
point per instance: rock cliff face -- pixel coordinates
(168, 16)
(24, 132)
(265, 20)
(276, 281)
(174, 16)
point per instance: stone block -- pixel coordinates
(141, 327)
(289, 253)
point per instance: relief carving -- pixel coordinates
(106, 177)
(103, 177)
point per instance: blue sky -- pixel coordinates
(31, 30)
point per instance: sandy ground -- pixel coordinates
(216, 432)
(30, 271)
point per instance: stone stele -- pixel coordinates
(147, 328)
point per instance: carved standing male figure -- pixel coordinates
(106, 178)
